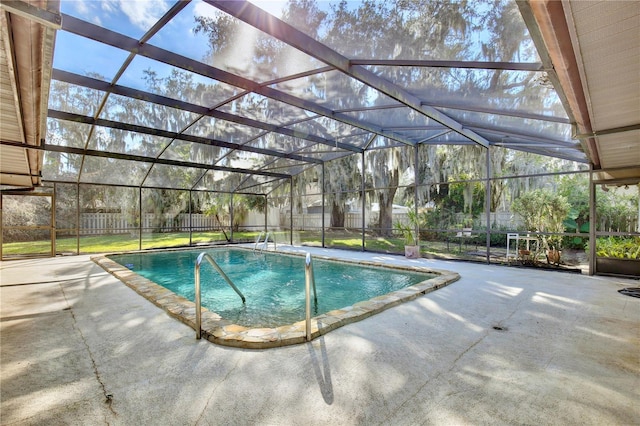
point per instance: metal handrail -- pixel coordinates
(258, 240)
(201, 257)
(309, 280)
(265, 243)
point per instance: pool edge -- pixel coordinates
(223, 332)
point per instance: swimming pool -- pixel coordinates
(274, 288)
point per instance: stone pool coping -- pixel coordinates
(224, 332)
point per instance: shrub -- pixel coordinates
(619, 247)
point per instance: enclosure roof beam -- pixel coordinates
(502, 133)
(286, 33)
(611, 131)
(554, 152)
(256, 185)
(472, 108)
(112, 38)
(421, 63)
(510, 113)
(68, 116)
(425, 140)
(96, 84)
(140, 158)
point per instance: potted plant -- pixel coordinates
(411, 246)
(618, 256)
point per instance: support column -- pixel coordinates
(140, 218)
(53, 228)
(77, 218)
(364, 202)
(190, 220)
(487, 196)
(415, 195)
(323, 211)
(592, 224)
(291, 210)
(231, 216)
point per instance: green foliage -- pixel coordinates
(618, 247)
(407, 233)
(576, 190)
(219, 207)
(467, 197)
(409, 230)
(543, 211)
(616, 208)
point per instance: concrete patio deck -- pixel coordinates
(503, 345)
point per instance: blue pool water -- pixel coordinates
(272, 284)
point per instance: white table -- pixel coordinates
(517, 237)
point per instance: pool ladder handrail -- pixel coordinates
(266, 241)
(309, 281)
(201, 257)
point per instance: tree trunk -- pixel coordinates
(497, 188)
(385, 218)
(385, 202)
(337, 216)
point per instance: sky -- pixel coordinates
(134, 18)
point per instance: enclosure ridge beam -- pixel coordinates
(68, 116)
(93, 83)
(140, 158)
(422, 63)
(112, 38)
(286, 33)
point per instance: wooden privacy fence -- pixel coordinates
(120, 223)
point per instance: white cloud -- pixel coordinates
(141, 13)
(109, 6)
(82, 8)
(85, 9)
(204, 9)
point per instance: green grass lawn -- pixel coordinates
(129, 242)
(118, 242)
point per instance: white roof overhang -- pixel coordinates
(594, 48)
(27, 35)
